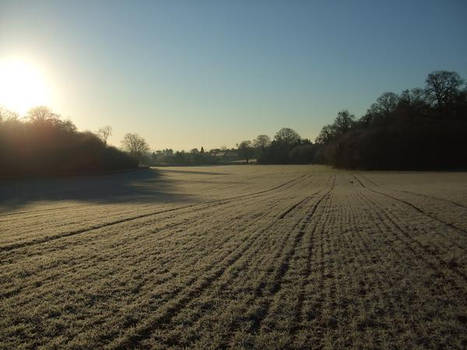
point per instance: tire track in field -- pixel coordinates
(325, 199)
(386, 215)
(221, 199)
(39, 211)
(377, 282)
(214, 263)
(278, 273)
(412, 206)
(124, 201)
(285, 213)
(434, 197)
(163, 229)
(445, 237)
(329, 274)
(208, 288)
(198, 209)
(264, 279)
(344, 237)
(170, 226)
(169, 311)
(369, 180)
(262, 231)
(305, 279)
(362, 186)
(256, 292)
(419, 194)
(330, 307)
(411, 256)
(318, 296)
(129, 248)
(88, 229)
(222, 287)
(78, 206)
(128, 219)
(132, 217)
(284, 266)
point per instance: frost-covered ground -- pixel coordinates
(235, 256)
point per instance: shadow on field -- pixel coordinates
(138, 186)
(193, 172)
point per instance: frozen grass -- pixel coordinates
(235, 257)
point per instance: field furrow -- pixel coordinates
(292, 257)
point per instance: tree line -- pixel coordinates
(287, 147)
(420, 128)
(44, 144)
(195, 156)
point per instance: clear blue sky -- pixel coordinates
(187, 74)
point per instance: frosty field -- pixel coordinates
(235, 257)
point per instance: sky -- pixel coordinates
(187, 74)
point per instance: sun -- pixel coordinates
(22, 85)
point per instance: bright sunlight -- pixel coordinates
(23, 85)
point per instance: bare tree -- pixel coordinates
(326, 135)
(287, 137)
(442, 87)
(261, 142)
(343, 122)
(44, 117)
(135, 145)
(104, 133)
(245, 150)
(40, 114)
(6, 114)
(387, 102)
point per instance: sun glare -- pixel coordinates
(22, 86)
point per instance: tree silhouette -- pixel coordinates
(287, 136)
(442, 88)
(135, 145)
(245, 150)
(44, 144)
(41, 114)
(343, 122)
(261, 142)
(420, 129)
(387, 103)
(104, 133)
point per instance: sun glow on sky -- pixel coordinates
(23, 85)
(185, 74)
